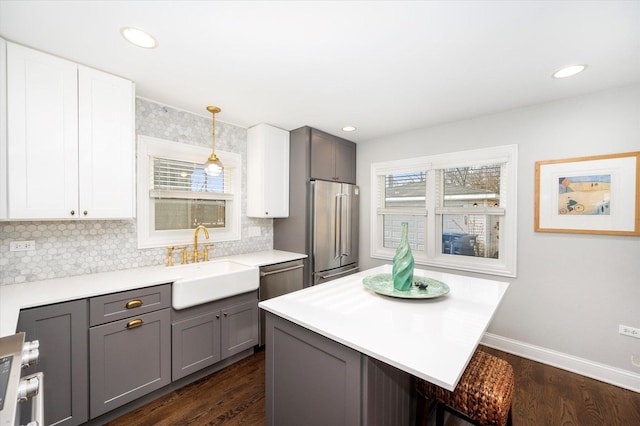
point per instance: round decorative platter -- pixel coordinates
(422, 288)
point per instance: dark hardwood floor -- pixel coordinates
(544, 395)
(232, 396)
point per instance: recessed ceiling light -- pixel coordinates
(349, 129)
(569, 71)
(138, 37)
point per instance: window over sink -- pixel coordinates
(175, 195)
(460, 207)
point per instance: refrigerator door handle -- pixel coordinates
(345, 243)
(337, 230)
(348, 271)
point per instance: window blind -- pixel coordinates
(405, 189)
(182, 179)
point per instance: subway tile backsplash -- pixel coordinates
(67, 248)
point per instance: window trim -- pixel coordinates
(152, 147)
(505, 265)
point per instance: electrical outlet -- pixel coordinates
(22, 245)
(629, 331)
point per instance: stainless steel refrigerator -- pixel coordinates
(334, 228)
(323, 205)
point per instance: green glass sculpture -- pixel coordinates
(403, 263)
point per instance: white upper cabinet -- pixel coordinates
(3, 129)
(267, 172)
(42, 125)
(107, 145)
(70, 139)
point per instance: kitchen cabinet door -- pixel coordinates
(239, 328)
(267, 171)
(128, 359)
(322, 156)
(61, 330)
(195, 344)
(42, 135)
(106, 145)
(3, 125)
(332, 158)
(345, 160)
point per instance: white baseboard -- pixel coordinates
(605, 373)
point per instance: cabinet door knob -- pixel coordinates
(134, 323)
(85, 212)
(135, 303)
(217, 316)
(73, 212)
(226, 314)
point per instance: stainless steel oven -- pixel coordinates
(16, 354)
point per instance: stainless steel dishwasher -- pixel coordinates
(276, 280)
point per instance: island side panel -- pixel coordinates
(387, 395)
(311, 380)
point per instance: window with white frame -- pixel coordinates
(175, 195)
(460, 207)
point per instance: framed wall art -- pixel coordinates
(589, 195)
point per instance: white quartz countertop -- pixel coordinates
(433, 339)
(14, 297)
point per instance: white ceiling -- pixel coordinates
(385, 67)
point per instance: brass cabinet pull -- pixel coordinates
(136, 303)
(134, 323)
(226, 314)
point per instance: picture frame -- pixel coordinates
(589, 195)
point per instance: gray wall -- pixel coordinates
(571, 291)
(67, 248)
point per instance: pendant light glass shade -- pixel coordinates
(213, 166)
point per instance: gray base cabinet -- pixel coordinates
(129, 357)
(312, 380)
(206, 334)
(101, 353)
(61, 330)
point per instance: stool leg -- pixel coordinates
(509, 418)
(424, 409)
(439, 414)
(421, 411)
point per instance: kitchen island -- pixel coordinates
(338, 353)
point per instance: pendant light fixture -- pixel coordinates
(213, 166)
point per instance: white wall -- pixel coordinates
(571, 291)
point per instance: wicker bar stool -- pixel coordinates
(483, 394)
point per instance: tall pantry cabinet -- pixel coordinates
(70, 139)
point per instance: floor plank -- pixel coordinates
(544, 395)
